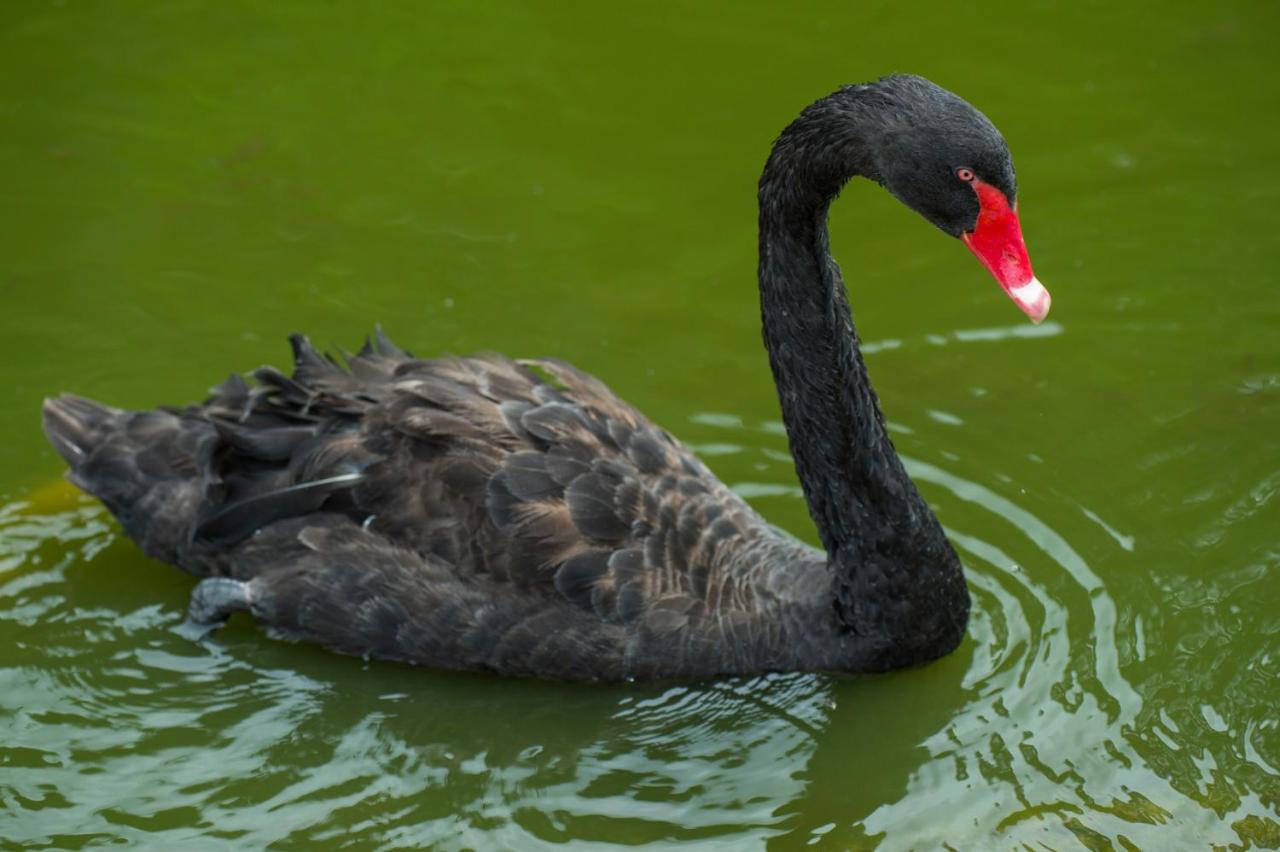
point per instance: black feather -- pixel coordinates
(665, 620)
(500, 502)
(631, 602)
(270, 444)
(386, 348)
(564, 467)
(579, 576)
(239, 520)
(527, 477)
(627, 566)
(646, 453)
(590, 500)
(555, 422)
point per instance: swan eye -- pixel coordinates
(964, 174)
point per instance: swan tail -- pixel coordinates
(151, 469)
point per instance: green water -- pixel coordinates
(185, 183)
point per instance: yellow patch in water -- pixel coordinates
(56, 496)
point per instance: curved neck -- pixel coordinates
(847, 464)
(879, 534)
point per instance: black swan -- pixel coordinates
(517, 517)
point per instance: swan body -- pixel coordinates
(518, 517)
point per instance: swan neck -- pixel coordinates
(883, 543)
(851, 474)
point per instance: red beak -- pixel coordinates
(997, 242)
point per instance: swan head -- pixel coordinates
(944, 159)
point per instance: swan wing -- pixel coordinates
(531, 473)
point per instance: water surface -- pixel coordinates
(185, 185)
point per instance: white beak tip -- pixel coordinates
(1033, 299)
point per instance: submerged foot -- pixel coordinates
(213, 601)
